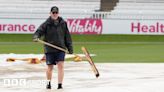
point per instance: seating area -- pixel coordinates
(124, 9)
(138, 9)
(41, 8)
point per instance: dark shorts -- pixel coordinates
(54, 58)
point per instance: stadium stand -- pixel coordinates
(114, 9)
(41, 8)
(138, 9)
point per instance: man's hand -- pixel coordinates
(35, 38)
(70, 51)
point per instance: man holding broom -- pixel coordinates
(54, 31)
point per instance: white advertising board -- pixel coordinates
(88, 26)
(151, 27)
(19, 26)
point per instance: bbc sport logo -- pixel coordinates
(21, 82)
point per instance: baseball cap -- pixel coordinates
(54, 9)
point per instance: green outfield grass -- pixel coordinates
(108, 48)
(89, 38)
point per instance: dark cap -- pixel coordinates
(54, 9)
